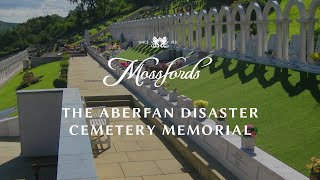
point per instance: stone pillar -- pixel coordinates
(303, 41)
(246, 28)
(183, 34)
(310, 45)
(279, 54)
(149, 29)
(232, 35)
(175, 29)
(285, 44)
(243, 39)
(208, 36)
(169, 28)
(190, 33)
(229, 35)
(265, 37)
(199, 35)
(217, 36)
(259, 44)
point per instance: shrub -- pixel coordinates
(64, 63)
(200, 104)
(30, 78)
(64, 70)
(64, 76)
(314, 166)
(60, 83)
(66, 57)
(25, 69)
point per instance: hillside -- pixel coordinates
(5, 26)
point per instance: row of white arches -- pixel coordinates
(181, 28)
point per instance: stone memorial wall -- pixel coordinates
(11, 66)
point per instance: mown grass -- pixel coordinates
(288, 104)
(47, 72)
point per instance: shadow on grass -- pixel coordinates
(146, 49)
(307, 81)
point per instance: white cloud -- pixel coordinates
(46, 7)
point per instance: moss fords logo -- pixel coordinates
(159, 76)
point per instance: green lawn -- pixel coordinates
(47, 72)
(139, 52)
(288, 105)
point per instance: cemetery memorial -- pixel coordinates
(192, 33)
(272, 49)
(226, 148)
(225, 55)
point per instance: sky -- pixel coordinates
(19, 11)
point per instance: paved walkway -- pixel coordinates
(140, 157)
(86, 74)
(146, 157)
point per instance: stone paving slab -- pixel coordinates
(149, 155)
(87, 75)
(110, 170)
(143, 168)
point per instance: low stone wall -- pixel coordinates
(9, 127)
(75, 160)
(38, 61)
(226, 149)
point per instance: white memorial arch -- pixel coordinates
(292, 52)
(276, 40)
(243, 28)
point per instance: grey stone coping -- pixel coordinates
(75, 159)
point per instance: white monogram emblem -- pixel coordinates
(159, 42)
